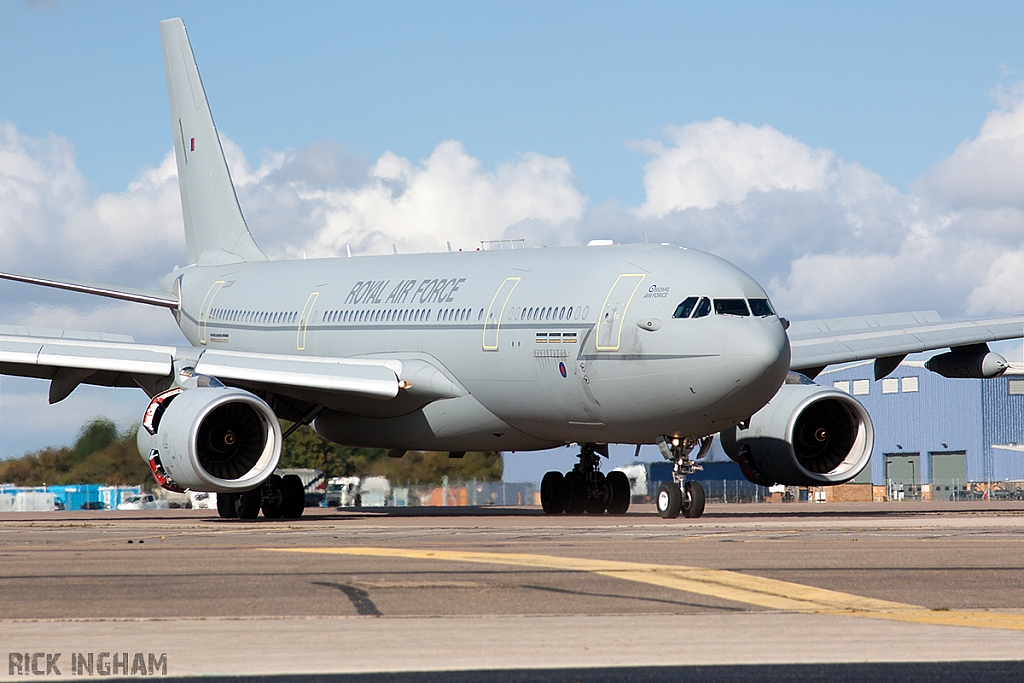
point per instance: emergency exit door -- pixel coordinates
(613, 312)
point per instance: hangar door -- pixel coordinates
(903, 476)
(949, 475)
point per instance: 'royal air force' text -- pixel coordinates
(439, 291)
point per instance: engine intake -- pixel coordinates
(210, 439)
(807, 435)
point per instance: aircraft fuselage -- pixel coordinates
(547, 346)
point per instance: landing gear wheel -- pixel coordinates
(294, 497)
(575, 493)
(670, 500)
(551, 493)
(248, 505)
(597, 500)
(693, 503)
(227, 505)
(273, 498)
(618, 490)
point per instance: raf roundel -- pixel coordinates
(561, 369)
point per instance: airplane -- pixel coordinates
(494, 349)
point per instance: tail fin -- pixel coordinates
(215, 230)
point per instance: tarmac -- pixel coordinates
(492, 592)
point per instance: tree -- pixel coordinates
(100, 455)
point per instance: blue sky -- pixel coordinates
(854, 158)
(894, 86)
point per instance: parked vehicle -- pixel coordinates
(94, 505)
(146, 501)
(343, 492)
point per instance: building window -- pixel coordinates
(890, 385)
(843, 386)
(861, 387)
(1016, 387)
(909, 384)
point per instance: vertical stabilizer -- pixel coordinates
(215, 230)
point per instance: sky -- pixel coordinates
(855, 158)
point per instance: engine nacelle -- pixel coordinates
(210, 439)
(807, 435)
(968, 364)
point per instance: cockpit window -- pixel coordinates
(731, 307)
(703, 308)
(761, 307)
(684, 309)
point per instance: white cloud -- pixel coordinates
(830, 237)
(986, 171)
(52, 225)
(720, 161)
(448, 197)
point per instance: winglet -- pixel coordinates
(215, 230)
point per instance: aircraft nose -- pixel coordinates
(759, 355)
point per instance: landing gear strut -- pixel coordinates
(278, 497)
(586, 488)
(681, 496)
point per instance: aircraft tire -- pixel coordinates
(596, 504)
(273, 504)
(551, 493)
(693, 503)
(294, 497)
(619, 490)
(669, 500)
(575, 493)
(227, 505)
(248, 505)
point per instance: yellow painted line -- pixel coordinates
(727, 585)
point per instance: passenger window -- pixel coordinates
(684, 309)
(761, 307)
(703, 308)
(731, 307)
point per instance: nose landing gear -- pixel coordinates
(586, 488)
(680, 496)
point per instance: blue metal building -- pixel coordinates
(933, 435)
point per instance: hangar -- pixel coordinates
(939, 438)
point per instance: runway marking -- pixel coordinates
(727, 585)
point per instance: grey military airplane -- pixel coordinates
(517, 349)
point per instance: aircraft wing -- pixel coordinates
(68, 359)
(890, 337)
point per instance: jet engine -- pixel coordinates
(210, 439)
(807, 435)
(968, 362)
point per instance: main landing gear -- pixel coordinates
(681, 496)
(586, 488)
(279, 497)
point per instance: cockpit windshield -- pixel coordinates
(703, 308)
(761, 308)
(731, 307)
(694, 307)
(684, 309)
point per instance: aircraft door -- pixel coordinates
(307, 311)
(495, 313)
(204, 310)
(613, 312)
